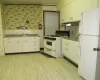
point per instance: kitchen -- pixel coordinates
(63, 49)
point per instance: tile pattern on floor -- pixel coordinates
(36, 67)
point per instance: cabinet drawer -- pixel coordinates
(50, 52)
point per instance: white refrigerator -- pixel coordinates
(89, 66)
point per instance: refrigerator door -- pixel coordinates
(90, 22)
(87, 65)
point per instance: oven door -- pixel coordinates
(50, 44)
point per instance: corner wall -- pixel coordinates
(1, 32)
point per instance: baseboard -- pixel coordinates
(45, 54)
(22, 53)
(71, 62)
(41, 48)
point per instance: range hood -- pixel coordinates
(76, 23)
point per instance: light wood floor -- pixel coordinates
(36, 67)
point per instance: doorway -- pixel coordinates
(51, 22)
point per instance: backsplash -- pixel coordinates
(29, 16)
(74, 30)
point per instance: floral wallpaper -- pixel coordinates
(29, 16)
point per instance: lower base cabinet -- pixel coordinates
(23, 44)
(13, 45)
(71, 50)
(31, 44)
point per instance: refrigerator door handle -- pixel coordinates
(96, 49)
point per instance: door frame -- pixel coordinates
(44, 19)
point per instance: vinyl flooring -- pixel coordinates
(36, 67)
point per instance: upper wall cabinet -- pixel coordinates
(73, 10)
(62, 3)
(90, 4)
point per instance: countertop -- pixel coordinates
(71, 38)
(23, 35)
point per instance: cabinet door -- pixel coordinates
(77, 54)
(65, 14)
(65, 48)
(76, 10)
(71, 51)
(65, 51)
(13, 45)
(72, 11)
(74, 51)
(62, 3)
(89, 4)
(31, 44)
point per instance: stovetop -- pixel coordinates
(55, 36)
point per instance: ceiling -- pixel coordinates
(44, 2)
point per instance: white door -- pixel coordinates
(90, 22)
(87, 65)
(51, 22)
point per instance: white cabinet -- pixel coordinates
(70, 49)
(31, 44)
(13, 45)
(21, 44)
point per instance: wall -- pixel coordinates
(23, 15)
(16, 15)
(29, 16)
(74, 30)
(1, 32)
(2, 14)
(49, 8)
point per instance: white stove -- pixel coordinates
(53, 45)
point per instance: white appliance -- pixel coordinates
(53, 43)
(52, 46)
(89, 67)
